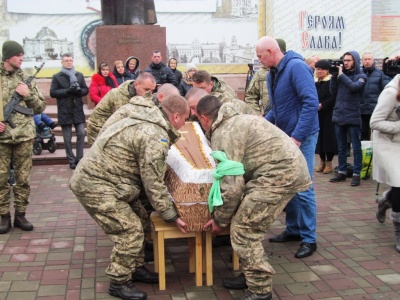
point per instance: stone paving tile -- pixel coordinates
(66, 255)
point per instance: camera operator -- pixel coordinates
(391, 66)
(160, 71)
(68, 87)
(347, 86)
(376, 82)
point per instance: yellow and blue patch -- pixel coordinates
(164, 141)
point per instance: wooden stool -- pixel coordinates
(163, 231)
(208, 257)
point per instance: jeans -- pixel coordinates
(301, 211)
(80, 140)
(341, 138)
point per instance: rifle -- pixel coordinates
(13, 106)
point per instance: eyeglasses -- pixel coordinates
(348, 60)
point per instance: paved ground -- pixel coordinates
(66, 254)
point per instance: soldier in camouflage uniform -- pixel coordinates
(16, 141)
(195, 94)
(142, 86)
(214, 86)
(256, 95)
(275, 170)
(126, 159)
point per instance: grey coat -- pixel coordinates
(385, 123)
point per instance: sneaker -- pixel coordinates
(339, 177)
(355, 181)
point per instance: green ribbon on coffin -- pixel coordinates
(225, 167)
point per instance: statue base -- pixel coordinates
(118, 42)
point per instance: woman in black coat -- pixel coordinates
(326, 145)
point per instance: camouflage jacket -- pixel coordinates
(256, 94)
(25, 126)
(113, 100)
(222, 90)
(274, 165)
(129, 156)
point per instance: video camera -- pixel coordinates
(251, 67)
(334, 65)
(391, 67)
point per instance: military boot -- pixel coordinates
(5, 224)
(21, 222)
(396, 222)
(251, 296)
(126, 291)
(383, 205)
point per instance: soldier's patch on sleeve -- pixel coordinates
(164, 141)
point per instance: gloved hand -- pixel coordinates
(73, 90)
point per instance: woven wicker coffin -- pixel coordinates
(189, 176)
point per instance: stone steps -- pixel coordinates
(58, 157)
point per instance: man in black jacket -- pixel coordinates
(68, 87)
(160, 71)
(376, 82)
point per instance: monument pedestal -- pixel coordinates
(118, 42)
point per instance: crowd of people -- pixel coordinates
(293, 109)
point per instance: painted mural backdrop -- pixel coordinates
(224, 32)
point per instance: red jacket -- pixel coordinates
(98, 88)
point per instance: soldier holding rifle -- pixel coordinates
(16, 133)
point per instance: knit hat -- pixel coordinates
(323, 64)
(190, 66)
(10, 49)
(282, 45)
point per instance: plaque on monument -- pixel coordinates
(127, 31)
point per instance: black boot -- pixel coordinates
(251, 296)
(383, 205)
(235, 283)
(5, 224)
(395, 216)
(148, 255)
(143, 275)
(21, 222)
(126, 291)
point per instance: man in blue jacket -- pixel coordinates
(347, 87)
(376, 82)
(294, 109)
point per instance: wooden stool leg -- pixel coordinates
(235, 261)
(161, 261)
(208, 259)
(199, 258)
(192, 258)
(155, 246)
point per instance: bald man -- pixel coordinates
(163, 91)
(294, 102)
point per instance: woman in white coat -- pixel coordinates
(385, 123)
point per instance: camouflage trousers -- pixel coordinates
(123, 226)
(22, 153)
(248, 228)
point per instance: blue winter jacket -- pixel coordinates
(294, 98)
(376, 82)
(348, 89)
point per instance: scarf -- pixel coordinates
(70, 73)
(225, 167)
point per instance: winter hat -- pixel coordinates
(190, 66)
(10, 49)
(323, 64)
(282, 45)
